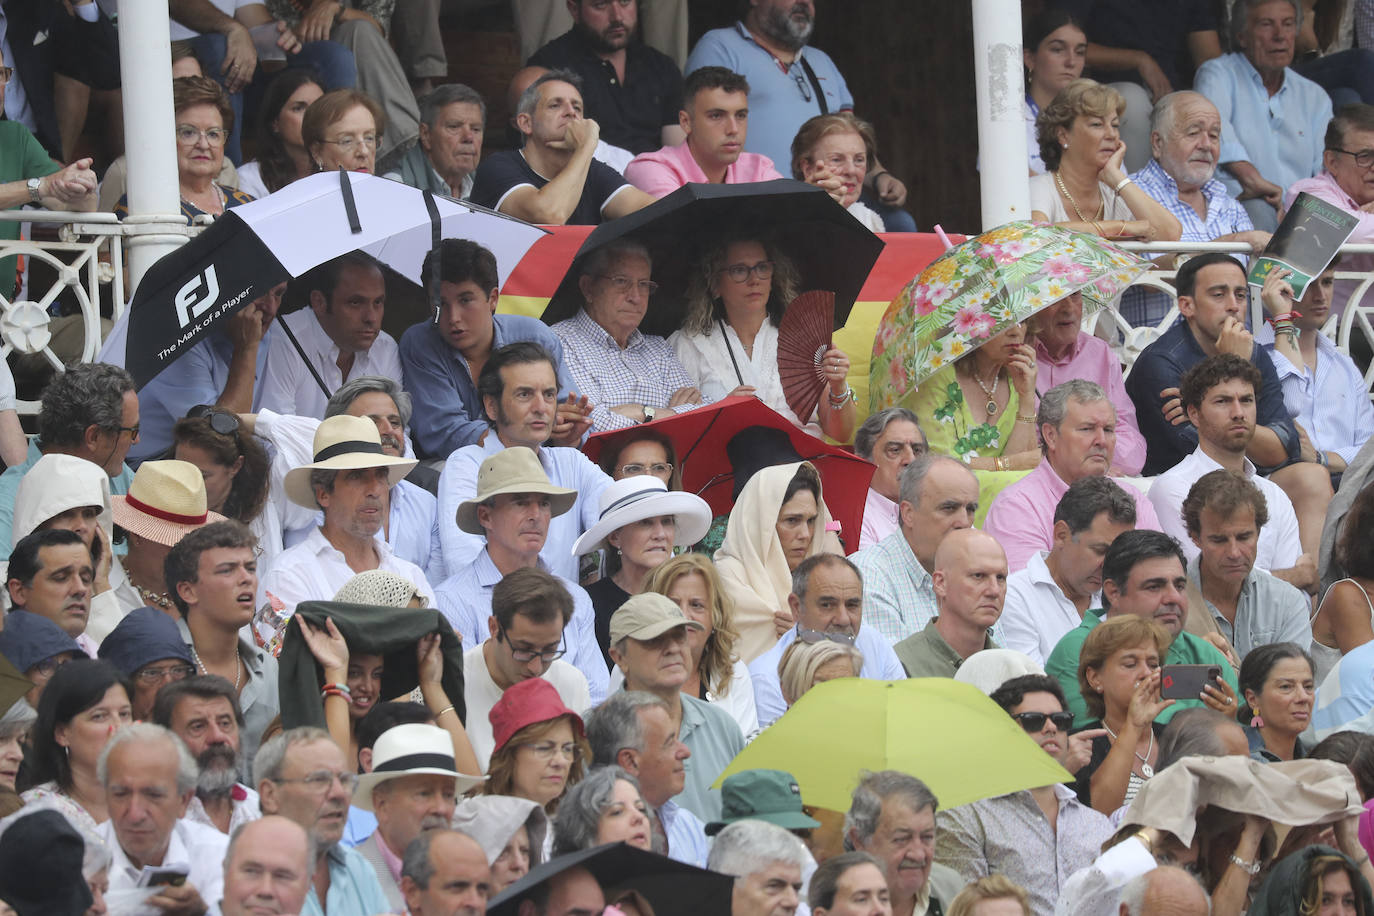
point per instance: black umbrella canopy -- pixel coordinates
(832, 250)
(671, 888)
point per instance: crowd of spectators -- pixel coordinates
(326, 621)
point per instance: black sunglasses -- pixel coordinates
(1035, 721)
(221, 421)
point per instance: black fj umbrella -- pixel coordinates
(671, 888)
(832, 250)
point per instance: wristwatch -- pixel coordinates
(34, 185)
(649, 414)
(1251, 868)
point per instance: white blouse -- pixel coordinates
(707, 360)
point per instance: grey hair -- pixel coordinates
(448, 94)
(1163, 117)
(311, 851)
(355, 388)
(579, 813)
(801, 576)
(749, 846)
(909, 484)
(1240, 16)
(614, 725)
(17, 720)
(529, 99)
(415, 861)
(873, 427)
(188, 774)
(271, 757)
(875, 790)
(600, 260)
(1133, 894)
(1193, 733)
(322, 479)
(88, 394)
(825, 880)
(1055, 403)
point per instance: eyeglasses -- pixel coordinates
(221, 421)
(168, 672)
(350, 143)
(895, 449)
(1364, 158)
(188, 135)
(131, 430)
(740, 272)
(634, 470)
(811, 637)
(48, 665)
(621, 283)
(320, 781)
(545, 750)
(1035, 721)
(529, 655)
(5, 74)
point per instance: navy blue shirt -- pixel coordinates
(1160, 366)
(500, 173)
(1160, 28)
(631, 113)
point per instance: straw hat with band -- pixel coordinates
(633, 499)
(344, 443)
(513, 470)
(647, 616)
(529, 702)
(166, 502)
(762, 795)
(414, 749)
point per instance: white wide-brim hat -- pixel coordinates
(166, 502)
(414, 749)
(344, 443)
(634, 499)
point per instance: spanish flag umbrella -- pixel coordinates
(946, 733)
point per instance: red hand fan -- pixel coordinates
(803, 338)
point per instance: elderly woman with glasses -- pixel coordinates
(541, 745)
(729, 342)
(341, 129)
(203, 122)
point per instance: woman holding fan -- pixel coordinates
(729, 342)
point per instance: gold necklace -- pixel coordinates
(991, 393)
(1101, 204)
(157, 599)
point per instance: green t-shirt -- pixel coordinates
(21, 157)
(1187, 649)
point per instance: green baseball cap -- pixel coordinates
(762, 795)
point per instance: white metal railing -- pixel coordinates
(89, 260)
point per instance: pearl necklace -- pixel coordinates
(1145, 769)
(991, 393)
(238, 665)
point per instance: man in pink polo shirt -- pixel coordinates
(1078, 433)
(715, 117)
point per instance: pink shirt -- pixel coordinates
(1325, 187)
(880, 519)
(665, 170)
(393, 861)
(1022, 515)
(1091, 359)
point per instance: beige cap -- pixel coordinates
(647, 616)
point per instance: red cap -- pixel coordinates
(526, 703)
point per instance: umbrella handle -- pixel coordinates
(943, 238)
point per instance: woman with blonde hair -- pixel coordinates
(1085, 188)
(717, 673)
(804, 665)
(779, 519)
(729, 341)
(981, 898)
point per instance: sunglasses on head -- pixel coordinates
(221, 421)
(1035, 721)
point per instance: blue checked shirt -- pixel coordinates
(645, 372)
(899, 598)
(1144, 307)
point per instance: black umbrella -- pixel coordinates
(671, 888)
(252, 248)
(832, 250)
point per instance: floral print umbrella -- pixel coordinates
(976, 290)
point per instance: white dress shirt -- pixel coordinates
(200, 848)
(1036, 615)
(314, 570)
(287, 385)
(480, 693)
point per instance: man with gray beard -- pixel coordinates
(203, 711)
(789, 82)
(1185, 145)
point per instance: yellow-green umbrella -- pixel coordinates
(944, 732)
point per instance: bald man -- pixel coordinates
(267, 868)
(970, 582)
(1164, 891)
